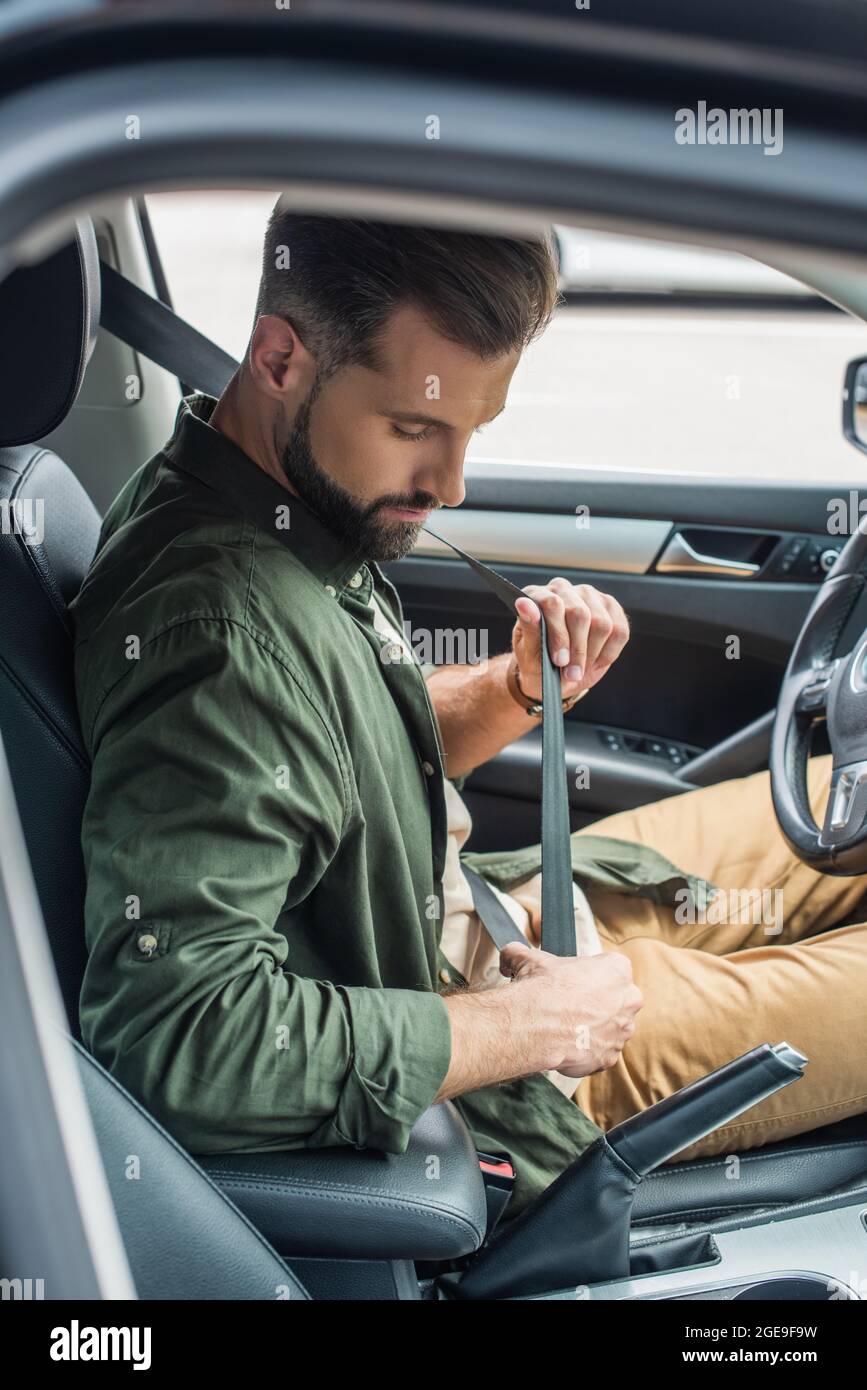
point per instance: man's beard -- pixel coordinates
(358, 525)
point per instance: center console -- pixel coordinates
(813, 1251)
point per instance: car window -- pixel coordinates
(210, 246)
(663, 357)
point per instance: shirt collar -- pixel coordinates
(199, 449)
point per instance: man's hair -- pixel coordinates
(337, 281)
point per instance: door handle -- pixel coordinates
(679, 557)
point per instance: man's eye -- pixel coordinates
(404, 434)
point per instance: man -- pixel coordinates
(282, 947)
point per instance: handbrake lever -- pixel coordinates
(649, 1138)
(577, 1230)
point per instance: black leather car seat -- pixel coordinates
(50, 315)
(41, 374)
(184, 1238)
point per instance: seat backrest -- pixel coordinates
(48, 534)
(184, 1239)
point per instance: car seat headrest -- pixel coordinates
(49, 316)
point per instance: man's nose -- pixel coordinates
(446, 479)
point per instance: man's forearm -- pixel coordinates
(477, 715)
(493, 1040)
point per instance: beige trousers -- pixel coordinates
(770, 963)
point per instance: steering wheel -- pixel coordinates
(819, 685)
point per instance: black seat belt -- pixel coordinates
(558, 912)
(158, 333)
(154, 330)
(496, 921)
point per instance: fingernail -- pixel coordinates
(574, 672)
(562, 656)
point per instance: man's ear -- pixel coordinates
(279, 363)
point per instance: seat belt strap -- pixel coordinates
(494, 918)
(158, 333)
(558, 912)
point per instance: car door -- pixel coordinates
(673, 440)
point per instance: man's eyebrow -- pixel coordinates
(416, 417)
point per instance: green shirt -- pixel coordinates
(265, 832)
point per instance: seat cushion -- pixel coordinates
(810, 1165)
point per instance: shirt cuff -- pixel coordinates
(401, 1052)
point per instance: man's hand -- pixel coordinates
(572, 1014)
(587, 631)
(586, 1006)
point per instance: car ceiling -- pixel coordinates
(583, 153)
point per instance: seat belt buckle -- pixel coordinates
(499, 1175)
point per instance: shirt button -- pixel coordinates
(147, 943)
(330, 589)
(357, 580)
(427, 769)
(446, 976)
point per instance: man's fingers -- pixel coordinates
(601, 627)
(596, 620)
(554, 610)
(587, 630)
(619, 635)
(616, 630)
(588, 622)
(578, 622)
(513, 956)
(528, 610)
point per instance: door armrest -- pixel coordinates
(618, 780)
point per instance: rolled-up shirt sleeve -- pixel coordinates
(218, 799)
